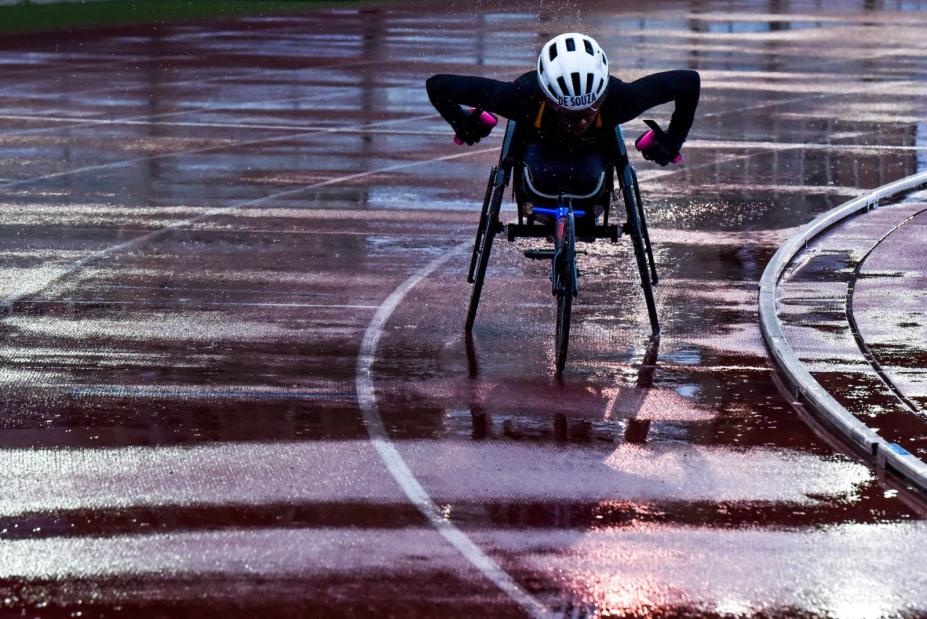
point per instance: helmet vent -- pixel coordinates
(572, 71)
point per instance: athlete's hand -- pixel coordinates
(657, 153)
(470, 128)
(654, 150)
(655, 146)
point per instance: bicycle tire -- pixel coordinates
(479, 227)
(640, 253)
(488, 231)
(566, 289)
(654, 280)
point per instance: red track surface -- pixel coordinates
(201, 224)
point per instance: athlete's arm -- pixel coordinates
(448, 92)
(681, 87)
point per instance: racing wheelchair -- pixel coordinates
(566, 218)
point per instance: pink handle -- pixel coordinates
(647, 140)
(487, 119)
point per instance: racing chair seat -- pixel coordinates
(551, 189)
(546, 175)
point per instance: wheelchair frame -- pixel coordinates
(490, 226)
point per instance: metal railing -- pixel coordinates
(884, 454)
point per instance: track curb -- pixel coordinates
(884, 455)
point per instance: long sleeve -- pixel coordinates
(448, 92)
(681, 86)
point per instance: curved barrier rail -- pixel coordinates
(882, 453)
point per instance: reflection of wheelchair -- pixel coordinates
(546, 212)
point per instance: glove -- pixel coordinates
(470, 127)
(654, 148)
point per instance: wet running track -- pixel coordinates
(233, 369)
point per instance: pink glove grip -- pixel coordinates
(486, 118)
(647, 140)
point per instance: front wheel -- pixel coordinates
(566, 289)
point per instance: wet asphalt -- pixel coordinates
(233, 254)
(854, 308)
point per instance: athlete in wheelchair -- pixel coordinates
(563, 147)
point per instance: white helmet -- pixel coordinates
(573, 70)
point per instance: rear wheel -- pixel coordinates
(566, 289)
(640, 252)
(490, 226)
(643, 228)
(477, 242)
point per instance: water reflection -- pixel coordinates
(623, 407)
(274, 75)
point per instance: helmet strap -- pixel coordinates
(537, 120)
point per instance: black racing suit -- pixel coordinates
(524, 102)
(521, 101)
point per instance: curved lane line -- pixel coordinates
(365, 393)
(877, 450)
(367, 400)
(854, 327)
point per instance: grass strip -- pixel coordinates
(26, 18)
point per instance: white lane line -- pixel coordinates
(250, 472)
(194, 151)
(652, 174)
(74, 122)
(140, 121)
(854, 326)
(196, 304)
(367, 400)
(189, 392)
(649, 175)
(85, 122)
(104, 63)
(228, 145)
(145, 119)
(866, 89)
(8, 303)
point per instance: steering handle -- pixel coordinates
(656, 134)
(486, 119)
